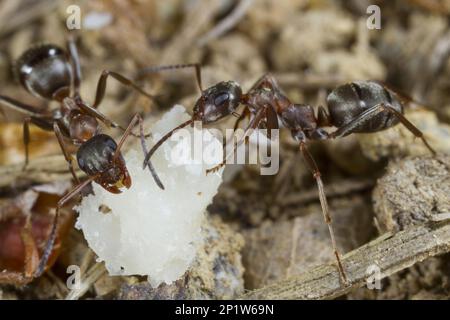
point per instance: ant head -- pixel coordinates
(45, 71)
(218, 102)
(97, 157)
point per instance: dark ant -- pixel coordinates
(357, 107)
(52, 74)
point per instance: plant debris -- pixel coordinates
(385, 191)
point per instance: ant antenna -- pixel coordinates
(156, 146)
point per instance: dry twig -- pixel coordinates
(391, 253)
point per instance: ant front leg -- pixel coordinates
(156, 146)
(240, 117)
(371, 113)
(137, 118)
(65, 152)
(245, 113)
(253, 124)
(101, 86)
(324, 204)
(52, 237)
(272, 124)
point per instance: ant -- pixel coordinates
(356, 107)
(54, 74)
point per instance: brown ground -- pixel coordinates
(310, 46)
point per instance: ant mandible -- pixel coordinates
(54, 74)
(356, 107)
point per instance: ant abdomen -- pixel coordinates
(347, 102)
(45, 71)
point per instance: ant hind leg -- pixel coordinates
(101, 86)
(324, 203)
(373, 112)
(52, 237)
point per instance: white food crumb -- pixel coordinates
(150, 231)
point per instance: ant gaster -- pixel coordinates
(357, 107)
(51, 73)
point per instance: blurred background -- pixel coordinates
(311, 46)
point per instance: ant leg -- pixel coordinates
(272, 124)
(157, 69)
(157, 145)
(19, 106)
(65, 152)
(266, 80)
(403, 97)
(127, 132)
(34, 115)
(373, 112)
(144, 149)
(100, 116)
(31, 252)
(52, 237)
(323, 202)
(254, 123)
(245, 113)
(412, 128)
(72, 48)
(137, 118)
(26, 140)
(101, 86)
(42, 123)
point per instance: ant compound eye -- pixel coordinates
(221, 99)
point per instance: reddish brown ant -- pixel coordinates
(51, 73)
(357, 107)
